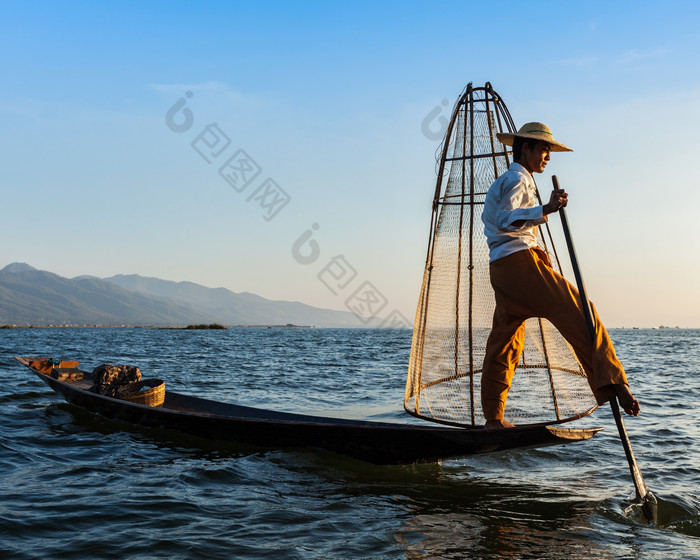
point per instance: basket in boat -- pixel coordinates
(150, 392)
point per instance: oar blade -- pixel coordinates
(648, 501)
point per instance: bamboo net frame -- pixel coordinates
(456, 304)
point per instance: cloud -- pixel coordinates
(179, 88)
(629, 56)
(579, 62)
(635, 55)
(218, 96)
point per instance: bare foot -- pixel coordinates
(628, 403)
(498, 424)
(622, 392)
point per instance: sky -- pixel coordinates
(267, 146)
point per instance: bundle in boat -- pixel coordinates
(456, 304)
(109, 378)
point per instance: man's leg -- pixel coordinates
(560, 303)
(605, 373)
(503, 349)
(504, 344)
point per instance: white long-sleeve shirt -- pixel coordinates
(511, 197)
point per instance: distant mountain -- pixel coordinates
(18, 267)
(36, 297)
(247, 308)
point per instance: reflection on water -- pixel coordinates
(452, 535)
(500, 522)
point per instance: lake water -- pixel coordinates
(75, 485)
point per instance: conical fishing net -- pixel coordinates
(456, 305)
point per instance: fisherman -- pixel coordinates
(527, 286)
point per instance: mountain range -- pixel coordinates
(36, 297)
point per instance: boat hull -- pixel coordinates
(374, 442)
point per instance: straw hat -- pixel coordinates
(536, 131)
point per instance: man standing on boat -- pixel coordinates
(527, 286)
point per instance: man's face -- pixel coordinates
(536, 156)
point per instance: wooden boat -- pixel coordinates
(374, 442)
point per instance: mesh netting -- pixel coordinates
(456, 305)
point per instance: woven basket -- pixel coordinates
(154, 396)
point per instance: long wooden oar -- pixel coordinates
(643, 494)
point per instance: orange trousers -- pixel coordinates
(527, 286)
